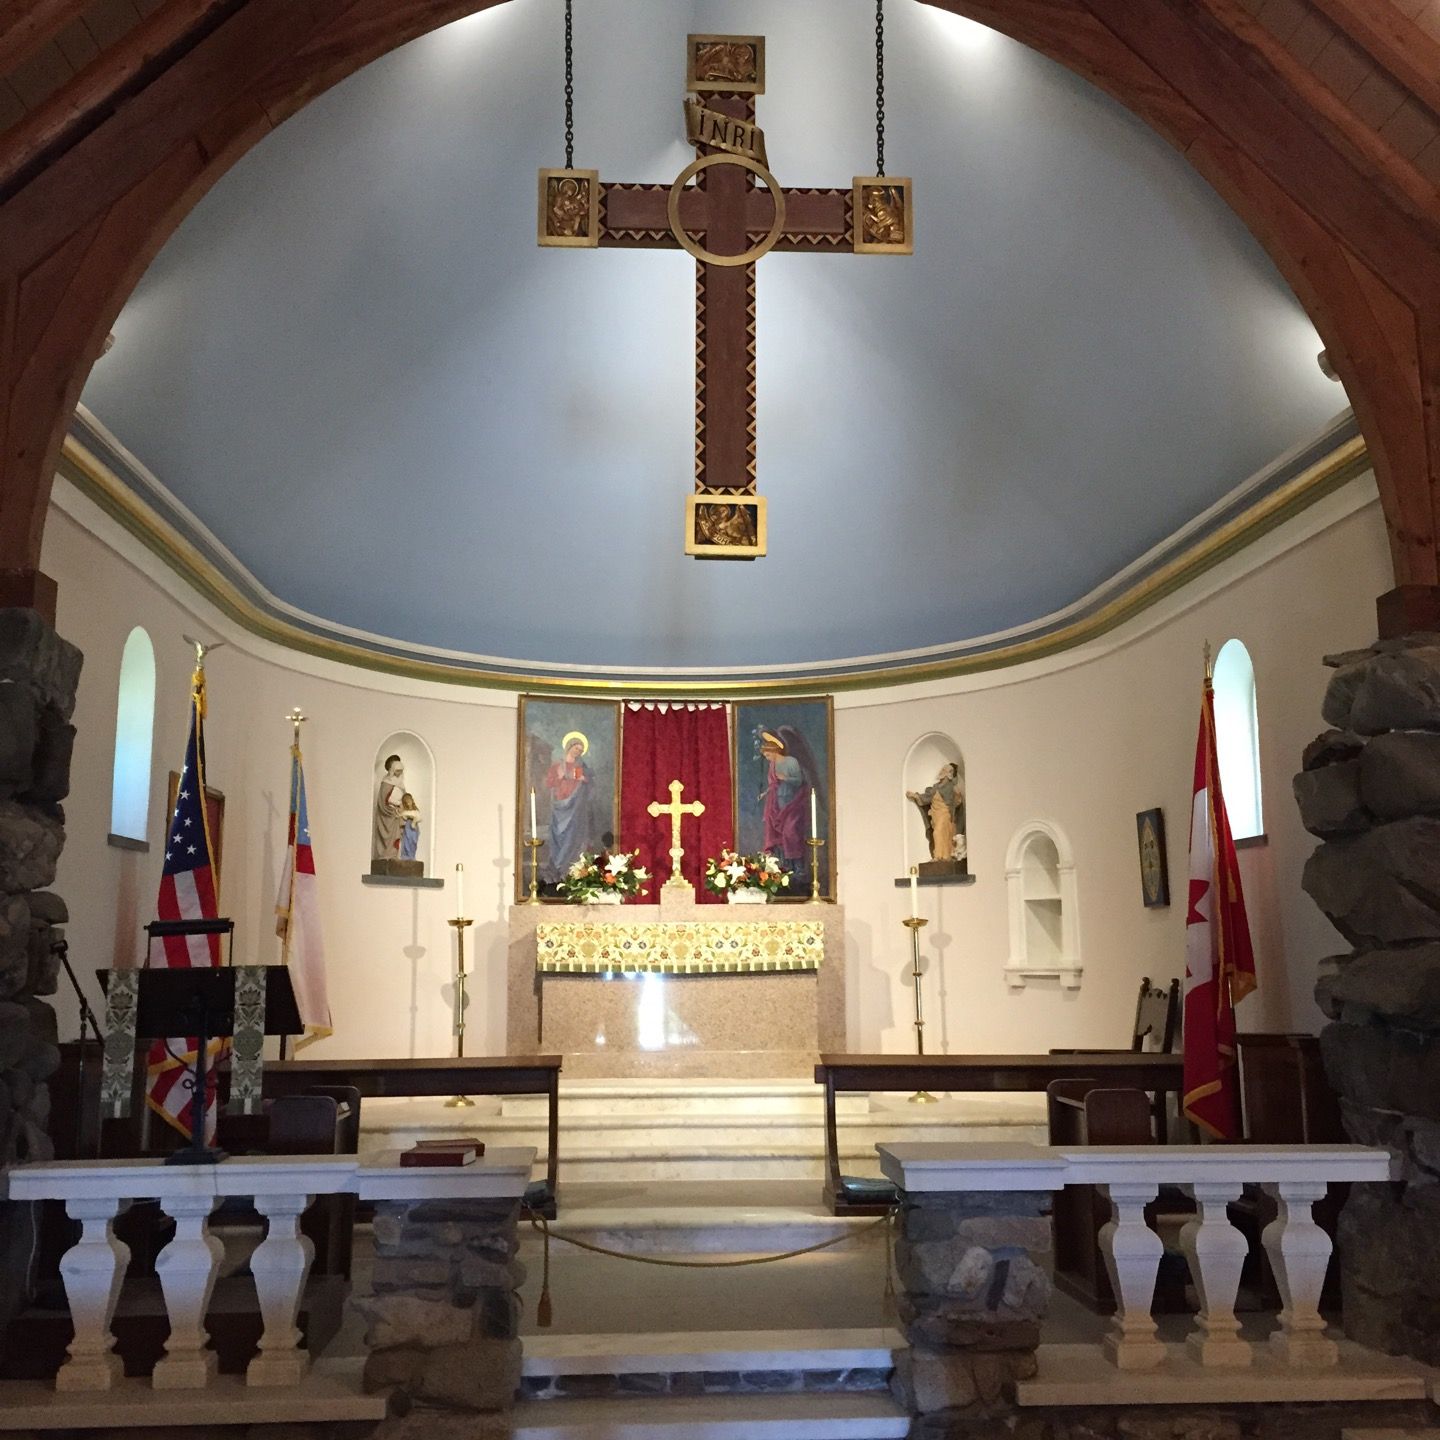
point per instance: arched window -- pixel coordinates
(1237, 738)
(134, 739)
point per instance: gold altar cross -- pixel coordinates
(676, 811)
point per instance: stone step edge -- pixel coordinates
(697, 1217)
(713, 1417)
(652, 1154)
(690, 1120)
(712, 1350)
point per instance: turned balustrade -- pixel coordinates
(1299, 1251)
(93, 1270)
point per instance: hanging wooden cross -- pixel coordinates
(676, 811)
(727, 224)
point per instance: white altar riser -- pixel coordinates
(646, 1130)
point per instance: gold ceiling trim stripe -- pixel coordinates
(100, 484)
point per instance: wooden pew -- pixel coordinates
(1158, 1073)
(471, 1075)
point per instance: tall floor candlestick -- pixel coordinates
(914, 924)
(461, 1001)
(815, 842)
(533, 845)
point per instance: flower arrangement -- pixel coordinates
(608, 873)
(729, 872)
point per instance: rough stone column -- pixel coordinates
(1370, 788)
(444, 1319)
(972, 1296)
(39, 673)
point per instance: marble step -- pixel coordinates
(728, 1225)
(642, 1097)
(713, 1417)
(711, 1352)
(684, 1132)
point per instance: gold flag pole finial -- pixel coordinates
(296, 718)
(1209, 663)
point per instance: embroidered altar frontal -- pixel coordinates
(681, 947)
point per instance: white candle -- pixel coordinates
(814, 822)
(459, 892)
(914, 891)
(533, 826)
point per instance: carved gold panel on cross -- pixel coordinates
(570, 208)
(884, 214)
(734, 64)
(727, 210)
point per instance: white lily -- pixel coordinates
(617, 863)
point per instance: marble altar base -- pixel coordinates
(673, 1026)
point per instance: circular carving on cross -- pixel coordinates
(746, 163)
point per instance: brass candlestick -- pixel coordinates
(814, 842)
(533, 845)
(913, 924)
(456, 1102)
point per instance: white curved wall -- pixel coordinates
(1085, 740)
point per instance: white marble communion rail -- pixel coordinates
(1295, 1362)
(93, 1270)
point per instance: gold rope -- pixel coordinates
(540, 1223)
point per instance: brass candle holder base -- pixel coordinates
(462, 1000)
(914, 924)
(533, 845)
(815, 843)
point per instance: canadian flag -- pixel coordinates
(1219, 959)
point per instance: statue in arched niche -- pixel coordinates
(942, 806)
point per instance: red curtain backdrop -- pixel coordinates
(693, 747)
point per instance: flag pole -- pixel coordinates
(295, 719)
(1209, 664)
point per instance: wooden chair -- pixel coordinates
(1156, 1028)
(1082, 1112)
(1286, 1099)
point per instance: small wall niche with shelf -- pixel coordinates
(1044, 930)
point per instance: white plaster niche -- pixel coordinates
(924, 768)
(1044, 919)
(412, 863)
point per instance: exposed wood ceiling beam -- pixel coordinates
(26, 25)
(111, 78)
(1393, 41)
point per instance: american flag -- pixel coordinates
(187, 892)
(297, 912)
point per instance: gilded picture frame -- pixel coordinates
(572, 816)
(1154, 863)
(806, 729)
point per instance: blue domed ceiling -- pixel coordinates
(354, 366)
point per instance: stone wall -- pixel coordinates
(39, 673)
(444, 1319)
(1370, 789)
(971, 1298)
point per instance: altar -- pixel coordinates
(678, 989)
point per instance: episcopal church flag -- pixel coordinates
(187, 892)
(1219, 961)
(297, 912)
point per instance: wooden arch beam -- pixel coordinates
(76, 235)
